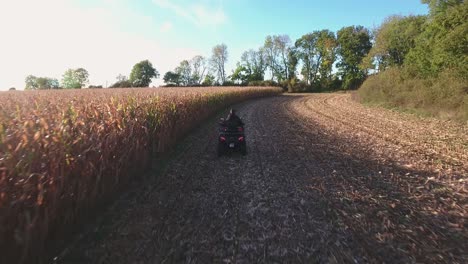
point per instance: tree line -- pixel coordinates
(305, 65)
(140, 76)
(278, 59)
(421, 46)
(421, 61)
(320, 60)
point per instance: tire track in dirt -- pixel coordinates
(306, 192)
(391, 195)
(429, 141)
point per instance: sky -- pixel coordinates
(107, 37)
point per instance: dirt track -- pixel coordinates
(326, 180)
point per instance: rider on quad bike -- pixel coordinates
(234, 120)
(231, 134)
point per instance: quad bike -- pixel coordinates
(231, 138)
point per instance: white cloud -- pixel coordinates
(166, 27)
(198, 14)
(50, 36)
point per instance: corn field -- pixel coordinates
(65, 153)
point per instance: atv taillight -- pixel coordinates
(240, 129)
(241, 138)
(222, 138)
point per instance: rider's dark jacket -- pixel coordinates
(234, 120)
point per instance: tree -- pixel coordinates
(251, 68)
(353, 45)
(240, 75)
(442, 45)
(292, 82)
(40, 83)
(75, 78)
(209, 80)
(307, 51)
(327, 48)
(184, 71)
(277, 49)
(122, 82)
(199, 68)
(171, 78)
(142, 73)
(219, 59)
(31, 82)
(440, 6)
(293, 61)
(317, 51)
(271, 54)
(283, 44)
(255, 64)
(393, 41)
(47, 83)
(12, 89)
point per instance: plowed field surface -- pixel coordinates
(325, 180)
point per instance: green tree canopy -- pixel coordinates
(317, 52)
(188, 73)
(142, 73)
(171, 78)
(293, 61)
(184, 71)
(254, 63)
(75, 78)
(251, 67)
(443, 45)
(437, 6)
(209, 80)
(40, 83)
(354, 43)
(393, 41)
(240, 74)
(306, 47)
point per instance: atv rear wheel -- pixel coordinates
(220, 150)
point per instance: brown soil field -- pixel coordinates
(326, 180)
